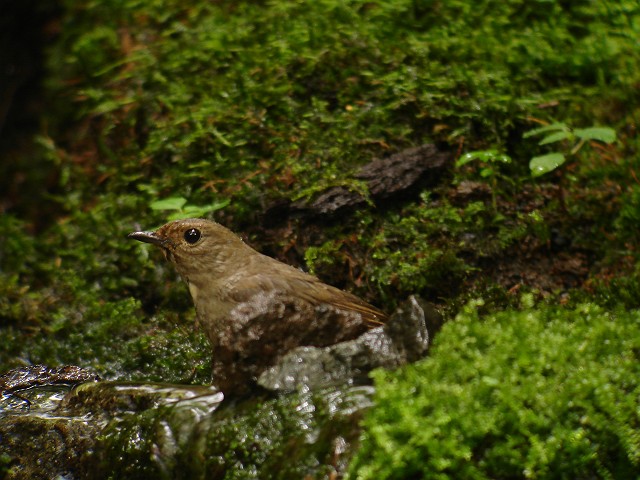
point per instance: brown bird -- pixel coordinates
(253, 308)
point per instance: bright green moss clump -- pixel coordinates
(547, 393)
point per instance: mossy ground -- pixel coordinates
(498, 400)
(254, 103)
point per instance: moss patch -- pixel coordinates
(531, 394)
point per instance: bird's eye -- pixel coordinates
(192, 235)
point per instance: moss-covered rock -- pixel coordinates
(138, 431)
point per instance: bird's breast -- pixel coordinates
(212, 302)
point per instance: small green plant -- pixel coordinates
(182, 210)
(561, 132)
(489, 160)
(488, 157)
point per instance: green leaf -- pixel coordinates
(194, 211)
(489, 156)
(555, 137)
(466, 158)
(171, 203)
(545, 163)
(218, 205)
(486, 172)
(602, 134)
(180, 215)
(546, 128)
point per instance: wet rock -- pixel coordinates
(81, 432)
(145, 430)
(269, 325)
(118, 430)
(412, 328)
(403, 339)
(31, 376)
(38, 446)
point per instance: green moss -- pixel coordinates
(629, 216)
(312, 89)
(537, 393)
(287, 437)
(247, 102)
(429, 248)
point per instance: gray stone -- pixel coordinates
(403, 339)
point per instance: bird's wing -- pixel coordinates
(319, 293)
(292, 282)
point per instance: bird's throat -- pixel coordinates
(193, 290)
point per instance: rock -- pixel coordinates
(31, 376)
(403, 339)
(401, 174)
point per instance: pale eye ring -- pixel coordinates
(192, 235)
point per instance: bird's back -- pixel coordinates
(273, 275)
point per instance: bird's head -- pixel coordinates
(196, 246)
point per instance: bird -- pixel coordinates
(253, 308)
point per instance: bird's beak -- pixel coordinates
(149, 237)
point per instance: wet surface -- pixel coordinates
(16, 383)
(305, 422)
